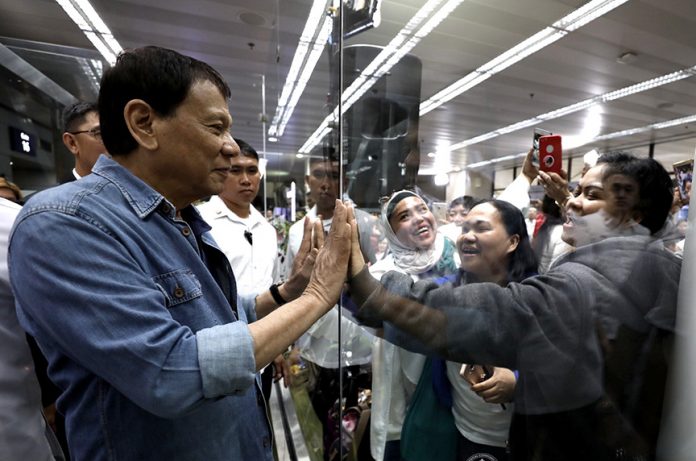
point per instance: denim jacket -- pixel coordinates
(152, 359)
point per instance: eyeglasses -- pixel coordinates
(94, 132)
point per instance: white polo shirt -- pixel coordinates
(253, 264)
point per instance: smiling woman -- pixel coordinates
(416, 248)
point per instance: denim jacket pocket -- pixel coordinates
(178, 286)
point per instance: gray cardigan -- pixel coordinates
(545, 326)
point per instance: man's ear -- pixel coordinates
(140, 117)
(70, 143)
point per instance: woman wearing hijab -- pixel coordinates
(415, 248)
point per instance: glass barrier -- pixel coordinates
(523, 318)
(521, 292)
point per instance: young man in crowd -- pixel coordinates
(242, 233)
(234, 221)
(135, 307)
(319, 345)
(456, 214)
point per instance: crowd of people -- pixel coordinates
(157, 310)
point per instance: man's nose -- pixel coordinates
(229, 146)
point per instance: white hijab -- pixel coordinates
(409, 260)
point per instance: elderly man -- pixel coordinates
(590, 338)
(118, 279)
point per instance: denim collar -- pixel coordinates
(141, 196)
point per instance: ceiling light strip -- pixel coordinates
(402, 43)
(91, 72)
(604, 137)
(582, 105)
(536, 42)
(394, 51)
(311, 38)
(303, 79)
(90, 23)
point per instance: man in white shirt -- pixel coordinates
(249, 242)
(82, 137)
(242, 233)
(23, 432)
(319, 345)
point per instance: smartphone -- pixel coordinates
(538, 133)
(475, 374)
(550, 153)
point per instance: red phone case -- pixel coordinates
(550, 153)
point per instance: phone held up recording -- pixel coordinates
(550, 153)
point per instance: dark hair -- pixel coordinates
(550, 208)
(158, 76)
(75, 114)
(655, 192)
(5, 184)
(523, 263)
(467, 201)
(246, 149)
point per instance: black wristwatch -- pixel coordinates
(276, 295)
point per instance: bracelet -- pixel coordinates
(276, 295)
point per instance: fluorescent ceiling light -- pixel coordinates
(542, 39)
(617, 134)
(93, 69)
(582, 105)
(647, 128)
(428, 17)
(309, 49)
(441, 179)
(84, 15)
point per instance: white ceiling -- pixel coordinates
(662, 34)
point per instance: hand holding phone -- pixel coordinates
(550, 154)
(475, 374)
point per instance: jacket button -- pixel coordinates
(166, 208)
(186, 231)
(178, 292)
